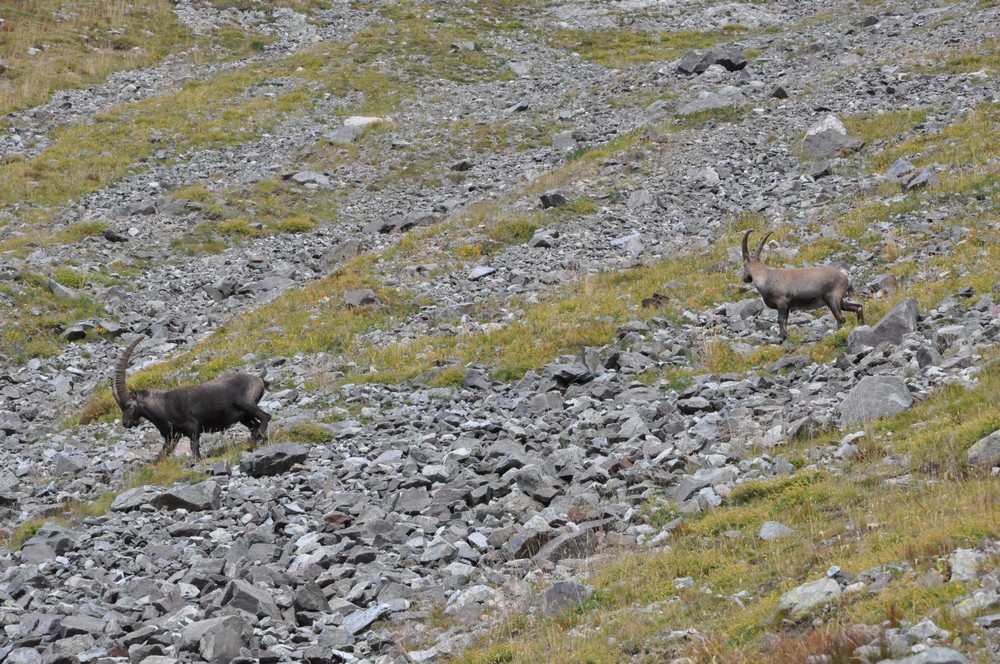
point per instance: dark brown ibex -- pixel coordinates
(797, 289)
(191, 411)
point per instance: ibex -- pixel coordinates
(796, 289)
(190, 411)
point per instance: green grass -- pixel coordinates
(624, 48)
(79, 44)
(986, 59)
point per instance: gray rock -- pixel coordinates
(830, 143)
(57, 537)
(344, 135)
(900, 321)
(273, 459)
(240, 594)
(361, 620)
(199, 497)
(561, 596)
(965, 564)
(773, 530)
(985, 451)
(480, 272)
(800, 601)
(218, 640)
(875, 397)
(931, 656)
(360, 297)
(554, 198)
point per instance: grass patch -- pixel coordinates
(49, 45)
(624, 48)
(37, 316)
(884, 126)
(986, 59)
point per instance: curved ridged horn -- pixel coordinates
(118, 388)
(746, 252)
(760, 246)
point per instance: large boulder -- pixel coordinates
(875, 397)
(985, 451)
(900, 321)
(273, 459)
(799, 602)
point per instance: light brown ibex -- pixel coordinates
(799, 288)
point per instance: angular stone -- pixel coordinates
(985, 451)
(830, 143)
(361, 620)
(772, 530)
(798, 602)
(936, 655)
(219, 640)
(194, 497)
(561, 596)
(55, 536)
(875, 397)
(273, 459)
(360, 297)
(480, 272)
(900, 321)
(551, 199)
(240, 594)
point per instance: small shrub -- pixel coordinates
(297, 224)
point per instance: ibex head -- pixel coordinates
(127, 400)
(748, 258)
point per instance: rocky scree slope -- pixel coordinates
(485, 500)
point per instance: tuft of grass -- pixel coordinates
(884, 126)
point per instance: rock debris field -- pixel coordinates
(429, 515)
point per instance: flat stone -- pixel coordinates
(985, 451)
(875, 397)
(561, 596)
(199, 497)
(799, 601)
(773, 530)
(931, 656)
(273, 459)
(361, 620)
(360, 297)
(480, 272)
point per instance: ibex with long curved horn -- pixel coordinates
(191, 411)
(797, 289)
